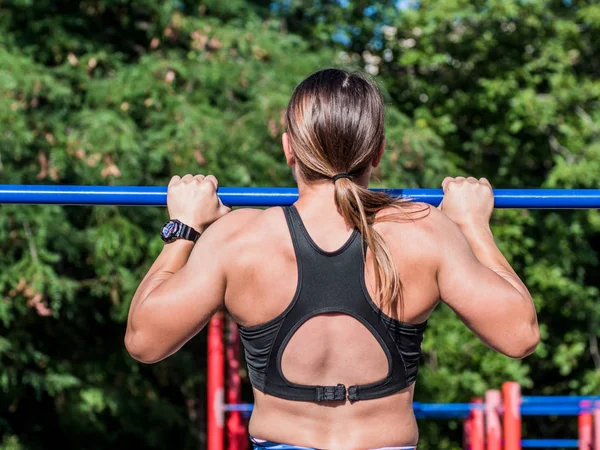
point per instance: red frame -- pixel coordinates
(511, 393)
(214, 384)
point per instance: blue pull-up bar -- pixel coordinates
(268, 196)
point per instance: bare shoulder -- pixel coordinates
(243, 226)
(241, 239)
(421, 216)
(233, 221)
(416, 229)
(234, 224)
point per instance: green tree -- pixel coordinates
(132, 91)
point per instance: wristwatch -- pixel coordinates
(174, 229)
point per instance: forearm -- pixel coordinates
(482, 243)
(171, 259)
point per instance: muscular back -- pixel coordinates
(245, 262)
(330, 348)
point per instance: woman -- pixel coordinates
(332, 336)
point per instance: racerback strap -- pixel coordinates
(330, 282)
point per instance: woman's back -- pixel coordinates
(328, 368)
(328, 348)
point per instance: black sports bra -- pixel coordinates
(330, 282)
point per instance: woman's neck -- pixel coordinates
(318, 198)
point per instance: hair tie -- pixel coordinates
(340, 175)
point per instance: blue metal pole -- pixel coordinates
(571, 409)
(550, 443)
(461, 410)
(268, 196)
(558, 399)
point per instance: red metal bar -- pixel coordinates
(215, 380)
(478, 430)
(467, 432)
(596, 415)
(584, 425)
(511, 393)
(237, 438)
(493, 427)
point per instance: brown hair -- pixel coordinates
(335, 121)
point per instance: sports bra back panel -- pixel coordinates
(329, 282)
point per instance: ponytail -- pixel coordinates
(359, 206)
(335, 120)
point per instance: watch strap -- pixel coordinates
(188, 233)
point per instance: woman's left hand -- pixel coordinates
(193, 200)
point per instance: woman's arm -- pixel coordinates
(186, 284)
(475, 279)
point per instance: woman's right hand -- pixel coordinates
(468, 201)
(474, 277)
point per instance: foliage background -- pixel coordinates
(132, 91)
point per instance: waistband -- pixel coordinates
(259, 444)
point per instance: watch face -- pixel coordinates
(169, 231)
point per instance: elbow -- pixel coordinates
(526, 343)
(140, 349)
(525, 335)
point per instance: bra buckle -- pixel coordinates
(331, 393)
(353, 394)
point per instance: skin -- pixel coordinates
(244, 263)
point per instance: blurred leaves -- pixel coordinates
(130, 92)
